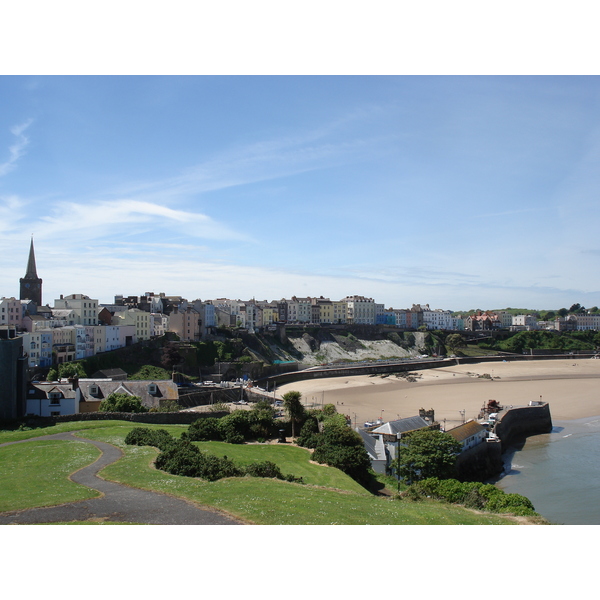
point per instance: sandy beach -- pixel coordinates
(571, 386)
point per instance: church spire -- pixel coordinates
(31, 284)
(31, 270)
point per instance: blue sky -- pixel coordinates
(458, 191)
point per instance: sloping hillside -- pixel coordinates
(315, 352)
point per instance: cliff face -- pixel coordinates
(317, 345)
(315, 352)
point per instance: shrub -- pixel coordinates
(143, 436)
(262, 421)
(264, 469)
(204, 430)
(309, 434)
(338, 446)
(472, 495)
(235, 427)
(271, 470)
(122, 403)
(183, 458)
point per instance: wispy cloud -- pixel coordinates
(260, 161)
(17, 149)
(121, 217)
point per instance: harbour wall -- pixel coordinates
(485, 461)
(521, 421)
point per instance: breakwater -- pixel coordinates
(485, 460)
(522, 421)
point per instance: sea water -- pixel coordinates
(559, 472)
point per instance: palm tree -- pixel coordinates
(293, 407)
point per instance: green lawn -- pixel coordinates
(253, 500)
(36, 473)
(16, 435)
(290, 459)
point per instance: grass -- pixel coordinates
(36, 473)
(290, 459)
(474, 351)
(252, 500)
(17, 435)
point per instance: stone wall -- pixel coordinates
(522, 421)
(480, 462)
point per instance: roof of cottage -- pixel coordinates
(373, 445)
(402, 426)
(466, 430)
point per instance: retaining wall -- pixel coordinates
(480, 462)
(522, 421)
(373, 369)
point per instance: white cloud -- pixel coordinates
(100, 219)
(16, 150)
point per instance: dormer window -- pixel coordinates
(94, 390)
(152, 388)
(54, 397)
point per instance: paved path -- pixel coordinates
(118, 502)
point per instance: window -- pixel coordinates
(54, 397)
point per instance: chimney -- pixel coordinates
(74, 381)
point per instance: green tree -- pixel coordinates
(341, 447)
(170, 356)
(294, 408)
(427, 453)
(122, 403)
(454, 341)
(71, 369)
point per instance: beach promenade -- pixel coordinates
(570, 386)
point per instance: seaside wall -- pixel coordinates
(480, 462)
(395, 367)
(522, 421)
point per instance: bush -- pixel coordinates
(183, 458)
(143, 436)
(338, 446)
(235, 427)
(309, 434)
(122, 403)
(472, 495)
(264, 469)
(204, 430)
(271, 470)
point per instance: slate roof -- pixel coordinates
(164, 389)
(373, 445)
(110, 374)
(41, 390)
(466, 430)
(402, 426)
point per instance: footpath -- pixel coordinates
(118, 502)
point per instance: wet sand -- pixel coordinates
(572, 387)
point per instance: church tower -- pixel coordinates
(31, 284)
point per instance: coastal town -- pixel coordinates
(37, 340)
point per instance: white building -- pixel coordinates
(84, 308)
(360, 310)
(437, 318)
(525, 322)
